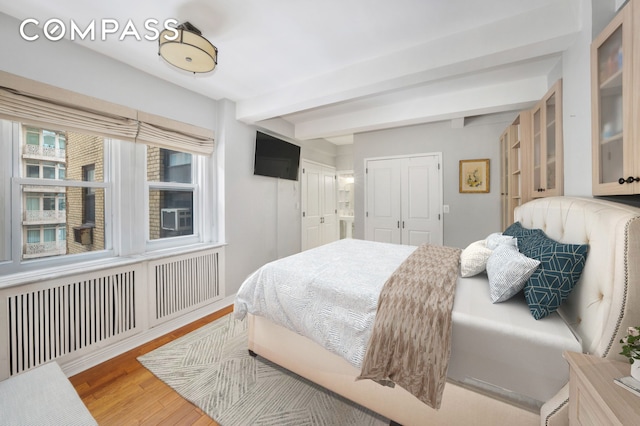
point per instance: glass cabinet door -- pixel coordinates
(505, 146)
(546, 149)
(537, 154)
(551, 148)
(610, 94)
(610, 73)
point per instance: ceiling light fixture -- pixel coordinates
(189, 50)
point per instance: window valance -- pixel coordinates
(43, 105)
(169, 134)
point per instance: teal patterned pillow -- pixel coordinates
(522, 234)
(560, 269)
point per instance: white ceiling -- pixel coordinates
(332, 68)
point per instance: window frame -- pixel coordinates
(89, 195)
(198, 164)
(125, 234)
(14, 229)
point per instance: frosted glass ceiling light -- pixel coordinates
(189, 50)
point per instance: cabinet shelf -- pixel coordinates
(611, 139)
(613, 81)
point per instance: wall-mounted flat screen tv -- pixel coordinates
(276, 158)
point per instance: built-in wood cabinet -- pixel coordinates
(534, 167)
(546, 145)
(615, 101)
(514, 182)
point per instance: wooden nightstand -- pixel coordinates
(594, 399)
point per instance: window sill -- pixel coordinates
(51, 273)
(175, 251)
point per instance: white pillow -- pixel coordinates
(496, 239)
(508, 272)
(473, 259)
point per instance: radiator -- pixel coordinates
(184, 283)
(63, 318)
(71, 317)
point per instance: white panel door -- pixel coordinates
(382, 217)
(319, 205)
(311, 213)
(404, 197)
(421, 222)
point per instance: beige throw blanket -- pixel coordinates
(411, 339)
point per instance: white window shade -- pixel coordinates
(176, 136)
(28, 108)
(43, 105)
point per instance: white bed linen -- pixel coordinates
(502, 348)
(325, 293)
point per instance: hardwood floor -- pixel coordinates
(122, 392)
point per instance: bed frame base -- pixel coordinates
(309, 360)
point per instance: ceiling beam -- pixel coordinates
(544, 31)
(509, 96)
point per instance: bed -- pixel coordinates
(505, 366)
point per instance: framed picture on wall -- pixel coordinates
(474, 176)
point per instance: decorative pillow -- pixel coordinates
(497, 238)
(473, 259)
(522, 234)
(560, 269)
(508, 272)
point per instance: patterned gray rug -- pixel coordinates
(211, 368)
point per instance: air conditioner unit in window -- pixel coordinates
(175, 219)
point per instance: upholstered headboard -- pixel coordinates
(606, 300)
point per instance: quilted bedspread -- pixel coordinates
(411, 340)
(328, 294)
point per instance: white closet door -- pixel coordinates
(319, 204)
(383, 201)
(312, 214)
(404, 197)
(421, 222)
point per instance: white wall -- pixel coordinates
(262, 214)
(344, 158)
(250, 203)
(576, 111)
(472, 216)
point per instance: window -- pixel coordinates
(171, 193)
(72, 196)
(53, 175)
(44, 170)
(42, 143)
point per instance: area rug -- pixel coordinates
(212, 368)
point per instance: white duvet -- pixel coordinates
(325, 294)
